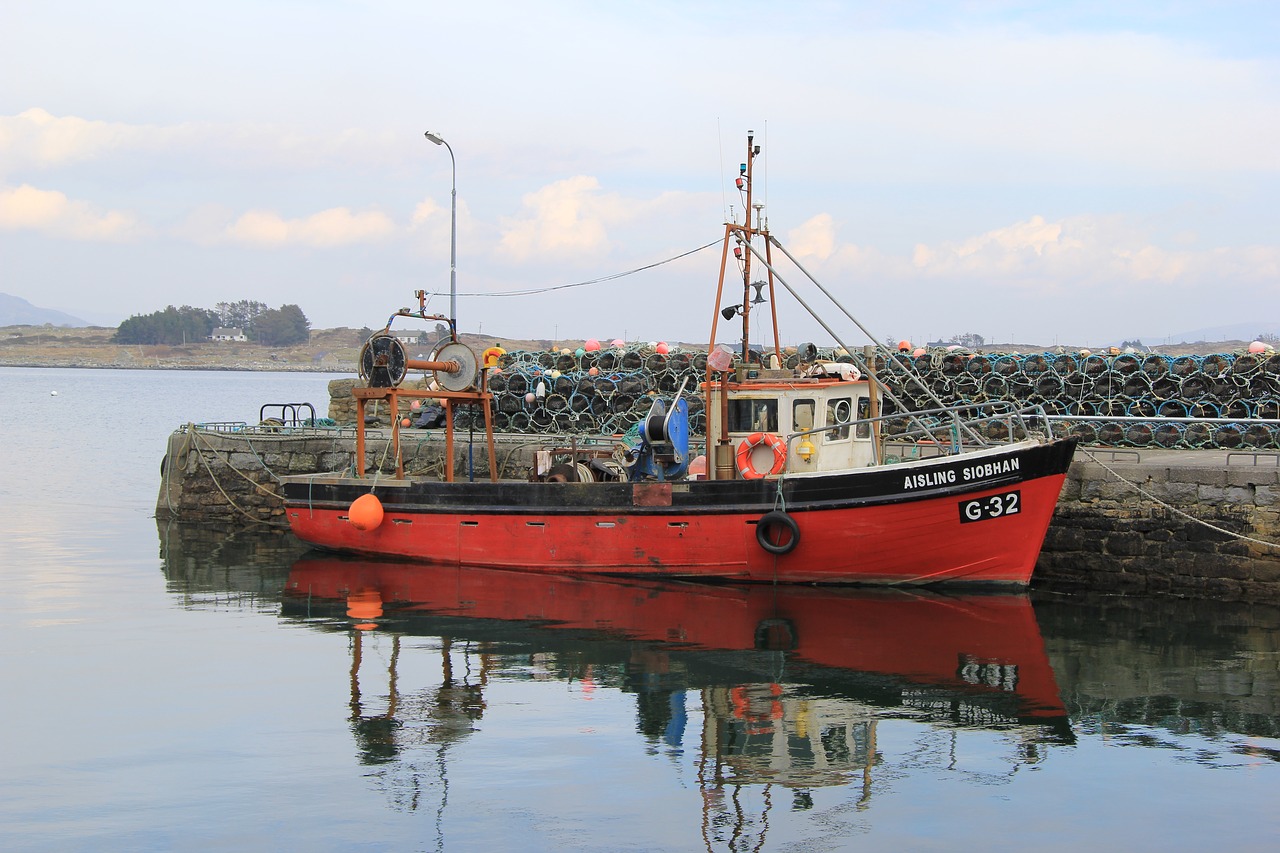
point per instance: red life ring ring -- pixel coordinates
(756, 439)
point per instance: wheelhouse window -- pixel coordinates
(839, 411)
(862, 429)
(753, 416)
(802, 414)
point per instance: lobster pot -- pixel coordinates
(606, 387)
(510, 404)
(564, 421)
(556, 403)
(1197, 435)
(668, 381)
(1142, 408)
(1193, 387)
(1245, 365)
(979, 365)
(1126, 364)
(497, 382)
(1267, 409)
(1228, 436)
(1264, 385)
(1093, 366)
(1005, 365)
(1215, 365)
(1076, 386)
(698, 423)
(545, 360)
(700, 362)
(953, 364)
(621, 403)
(1049, 386)
(607, 360)
(1139, 434)
(519, 422)
(1260, 435)
(1155, 366)
(1185, 365)
(655, 363)
(1055, 407)
(1272, 365)
(965, 386)
(1238, 409)
(501, 422)
(1085, 431)
(994, 386)
(1136, 384)
(1107, 383)
(1065, 364)
(566, 363)
(518, 384)
(1033, 365)
(1167, 435)
(581, 402)
(1110, 433)
(1204, 409)
(1083, 408)
(541, 419)
(631, 360)
(1019, 385)
(633, 384)
(1221, 388)
(1165, 387)
(1115, 407)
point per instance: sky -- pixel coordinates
(1058, 173)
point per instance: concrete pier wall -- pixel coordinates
(1127, 521)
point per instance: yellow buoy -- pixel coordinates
(366, 512)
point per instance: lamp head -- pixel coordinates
(729, 311)
(434, 137)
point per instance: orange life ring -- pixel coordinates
(756, 439)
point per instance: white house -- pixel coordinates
(221, 334)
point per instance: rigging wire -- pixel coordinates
(537, 290)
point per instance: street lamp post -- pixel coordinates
(453, 233)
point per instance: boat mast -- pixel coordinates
(742, 235)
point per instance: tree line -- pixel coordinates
(276, 327)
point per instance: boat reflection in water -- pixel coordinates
(791, 680)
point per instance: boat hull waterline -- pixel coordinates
(978, 518)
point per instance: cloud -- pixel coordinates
(815, 238)
(51, 212)
(564, 218)
(337, 226)
(1038, 255)
(37, 137)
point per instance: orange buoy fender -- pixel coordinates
(366, 512)
(747, 468)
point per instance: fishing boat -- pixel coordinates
(813, 470)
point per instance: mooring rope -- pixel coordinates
(230, 500)
(1174, 509)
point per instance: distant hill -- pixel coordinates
(15, 311)
(1235, 332)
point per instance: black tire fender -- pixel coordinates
(784, 543)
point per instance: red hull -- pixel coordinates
(913, 542)
(971, 643)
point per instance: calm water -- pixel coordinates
(171, 688)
